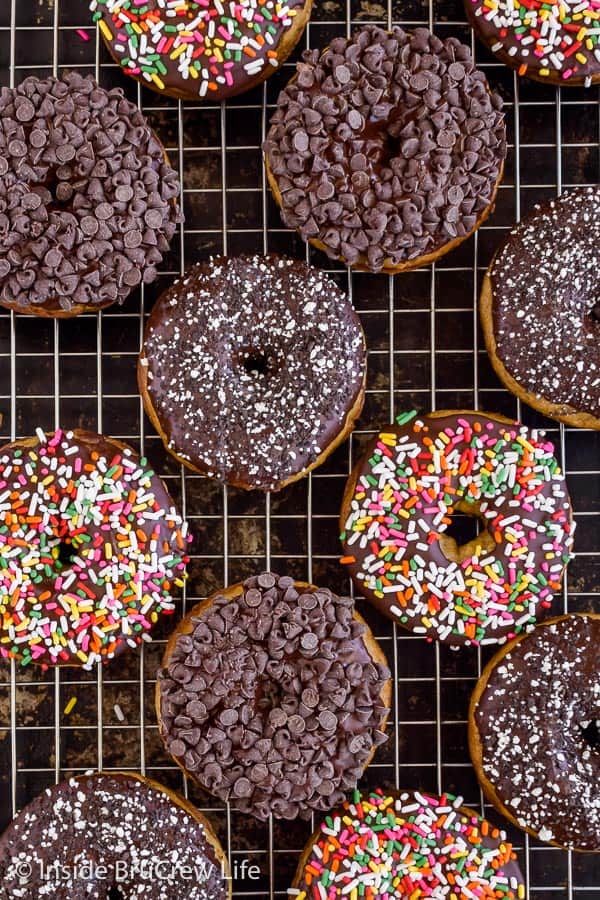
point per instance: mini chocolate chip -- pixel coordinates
(358, 163)
(133, 238)
(242, 788)
(266, 580)
(124, 193)
(309, 641)
(342, 73)
(446, 139)
(456, 71)
(53, 259)
(104, 211)
(296, 725)
(228, 717)
(258, 773)
(38, 138)
(25, 110)
(4, 268)
(177, 748)
(89, 225)
(65, 153)
(17, 148)
(3, 166)
(277, 717)
(253, 597)
(301, 141)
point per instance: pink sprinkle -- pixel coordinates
(83, 34)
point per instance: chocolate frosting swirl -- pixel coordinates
(86, 197)
(386, 146)
(251, 366)
(273, 700)
(538, 722)
(81, 839)
(546, 315)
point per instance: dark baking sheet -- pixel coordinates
(425, 351)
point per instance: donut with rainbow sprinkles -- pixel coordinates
(405, 492)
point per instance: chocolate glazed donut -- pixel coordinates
(386, 150)
(88, 200)
(253, 369)
(94, 834)
(534, 731)
(540, 311)
(274, 694)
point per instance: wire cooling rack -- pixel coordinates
(425, 351)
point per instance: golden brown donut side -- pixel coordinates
(474, 737)
(558, 411)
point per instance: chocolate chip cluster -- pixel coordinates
(386, 146)
(273, 701)
(87, 199)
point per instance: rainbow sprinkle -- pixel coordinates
(216, 44)
(409, 485)
(550, 37)
(124, 551)
(380, 847)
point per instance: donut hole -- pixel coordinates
(591, 733)
(269, 695)
(258, 362)
(466, 535)
(66, 553)
(595, 312)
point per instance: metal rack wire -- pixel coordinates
(425, 351)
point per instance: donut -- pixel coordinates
(400, 501)
(87, 198)
(555, 43)
(112, 835)
(200, 50)
(534, 732)
(386, 149)
(273, 695)
(90, 548)
(540, 310)
(383, 845)
(253, 369)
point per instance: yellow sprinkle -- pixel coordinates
(105, 30)
(177, 53)
(580, 58)
(158, 81)
(70, 705)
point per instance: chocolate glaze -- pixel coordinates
(545, 285)
(540, 702)
(386, 146)
(115, 822)
(60, 582)
(540, 519)
(87, 201)
(273, 701)
(253, 365)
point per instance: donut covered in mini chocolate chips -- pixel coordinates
(91, 547)
(534, 731)
(386, 149)
(87, 198)
(399, 502)
(98, 836)
(274, 695)
(540, 309)
(201, 49)
(385, 844)
(253, 369)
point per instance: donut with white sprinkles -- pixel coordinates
(534, 731)
(90, 548)
(382, 846)
(253, 369)
(401, 499)
(555, 43)
(200, 49)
